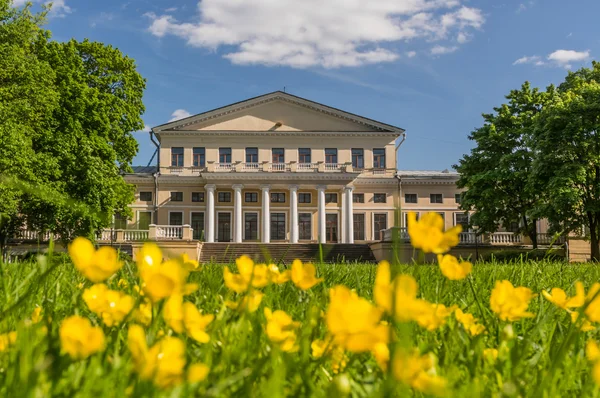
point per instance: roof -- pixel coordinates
(276, 95)
(427, 174)
(143, 169)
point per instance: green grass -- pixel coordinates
(243, 362)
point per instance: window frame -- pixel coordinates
(277, 195)
(460, 213)
(379, 160)
(376, 232)
(358, 159)
(199, 195)
(358, 195)
(458, 198)
(250, 193)
(378, 195)
(171, 212)
(253, 155)
(302, 156)
(416, 196)
(146, 192)
(361, 231)
(303, 195)
(225, 155)
(175, 195)
(301, 222)
(177, 158)
(199, 156)
(332, 156)
(280, 156)
(432, 195)
(226, 194)
(329, 194)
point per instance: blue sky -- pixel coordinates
(429, 66)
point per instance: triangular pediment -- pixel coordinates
(277, 112)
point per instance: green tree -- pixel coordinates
(567, 164)
(496, 172)
(68, 135)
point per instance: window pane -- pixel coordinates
(379, 198)
(177, 196)
(331, 198)
(304, 155)
(304, 226)
(462, 219)
(380, 224)
(379, 158)
(458, 198)
(278, 155)
(224, 196)
(198, 226)
(251, 155)
(410, 198)
(304, 197)
(277, 197)
(199, 157)
(251, 197)
(436, 198)
(197, 196)
(144, 220)
(358, 158)
(145, 196)
(224, 155)
(358, 198)
(330, 155)
(177, 156)
(359, 226)
(176, 218)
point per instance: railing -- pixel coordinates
(134, 235)
(107, 235)
(25, 234)
(547, 239)
(251, 167)
(505, 238)
(333, 166)
(176, 170)
(196, 170)
(279, 167)
(388, 234)
(307, 167)
(169, 232)
(224, 167)
(469, 238)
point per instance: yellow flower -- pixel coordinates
(163, 363)
(428, 233)
(469, 322)
(95, 265)
(7, 339)
(278, 277)
(123, 284)
(320, 347)
(189, 263)
(452, 269)
(304, 275)
(111, 305)
(173, 312)
(382, 292)
(143, 314)
(592, 311)
(163, 280)
(381, 352)
(432, 315)
(195, 323)
(406, 302)
(250, 302)
(592, 351)
(418, 372)
(586, 325)
(36, 316)
(490, 354)
(249, 274)
(353, 321)
(510, 303)
(197, 373)
(281, 329)
(559, 298)
(79, 338)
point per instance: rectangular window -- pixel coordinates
(410, 198)
(278, 226)
(198, 197)
(331, 198)
(304, 155)
(358, 158)
(145, 196)
(379, 158)
(462, 219)
(144, 220)
(379, 198)
(277, 197)
(359, 226)
(251, 197)
(458, 198)
(251, 155)
(379, 225)
(305, 226)
(224, 155)
(198, 225)
(176, 218)
(278, 155)
(251, 226)
(120, 221)
(304, 197)
(176, 196)
(436, 198)
(224, 197)
(177, 157)
(331, 155)
(358, 198)
(199, 157)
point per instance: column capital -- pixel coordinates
(293, 187)
(237, 187)
(321, 187)
(348, 188)
(210, 187)
(265, 187)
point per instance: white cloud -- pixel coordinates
(179, 114)
(306, 33)
(559, 58)
(59, 7)
(171, 9)
(441, 50)
(411, 54)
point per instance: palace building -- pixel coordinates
(280, 168)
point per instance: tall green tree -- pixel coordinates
(567, 163)
(72, 107)
(497, 170)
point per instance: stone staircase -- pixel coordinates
(122, 247)
(224, 253)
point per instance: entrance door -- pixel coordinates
(277, 226)
(224, 227)
(198, 225)
(251, 226)
(305, 226)
(331, 223)
(379, 224)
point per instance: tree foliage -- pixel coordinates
(67, 113)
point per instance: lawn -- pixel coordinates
(237, 354)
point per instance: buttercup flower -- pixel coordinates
(353, 321)
(431, 316)
(469, 322)
(320, 347)
(249, 274)
(250, 302)
(418, 372)
(173, 312)
(36, 315)
(195, 323)
(592, 311)
(490, 354)
(453, 269)
(559, 298)
(161, 279)
(111, 305)
(278, 277)
(510, 303)
(381, 352)
(143, 314)
(95, 265)
(428, 233)
(304, 275)
(79, 338)
(586, 325)
(197, 373)
(281, 329)
(189, 263)
(7, 339)
(382, 292)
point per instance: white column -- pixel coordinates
(350, 215)
(294, 214)
(237, 213)
(344, 216)
(210, 213)
(322, 234)
(266, 214)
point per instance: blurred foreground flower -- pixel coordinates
(592, 353)
(469, 322)
(419, 372)
(428, 233)
(510, 303)
(79, 338)
(249, 302)
(161, 279)
(111, 305)
(559, 298)
(304, 275)
(281, 329)
(95, 265)
(197, 373)
(7, 339)
(249, 274)
(453, 269)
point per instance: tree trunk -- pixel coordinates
(530, 231)
(594, 241)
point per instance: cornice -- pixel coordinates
(251, 133)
